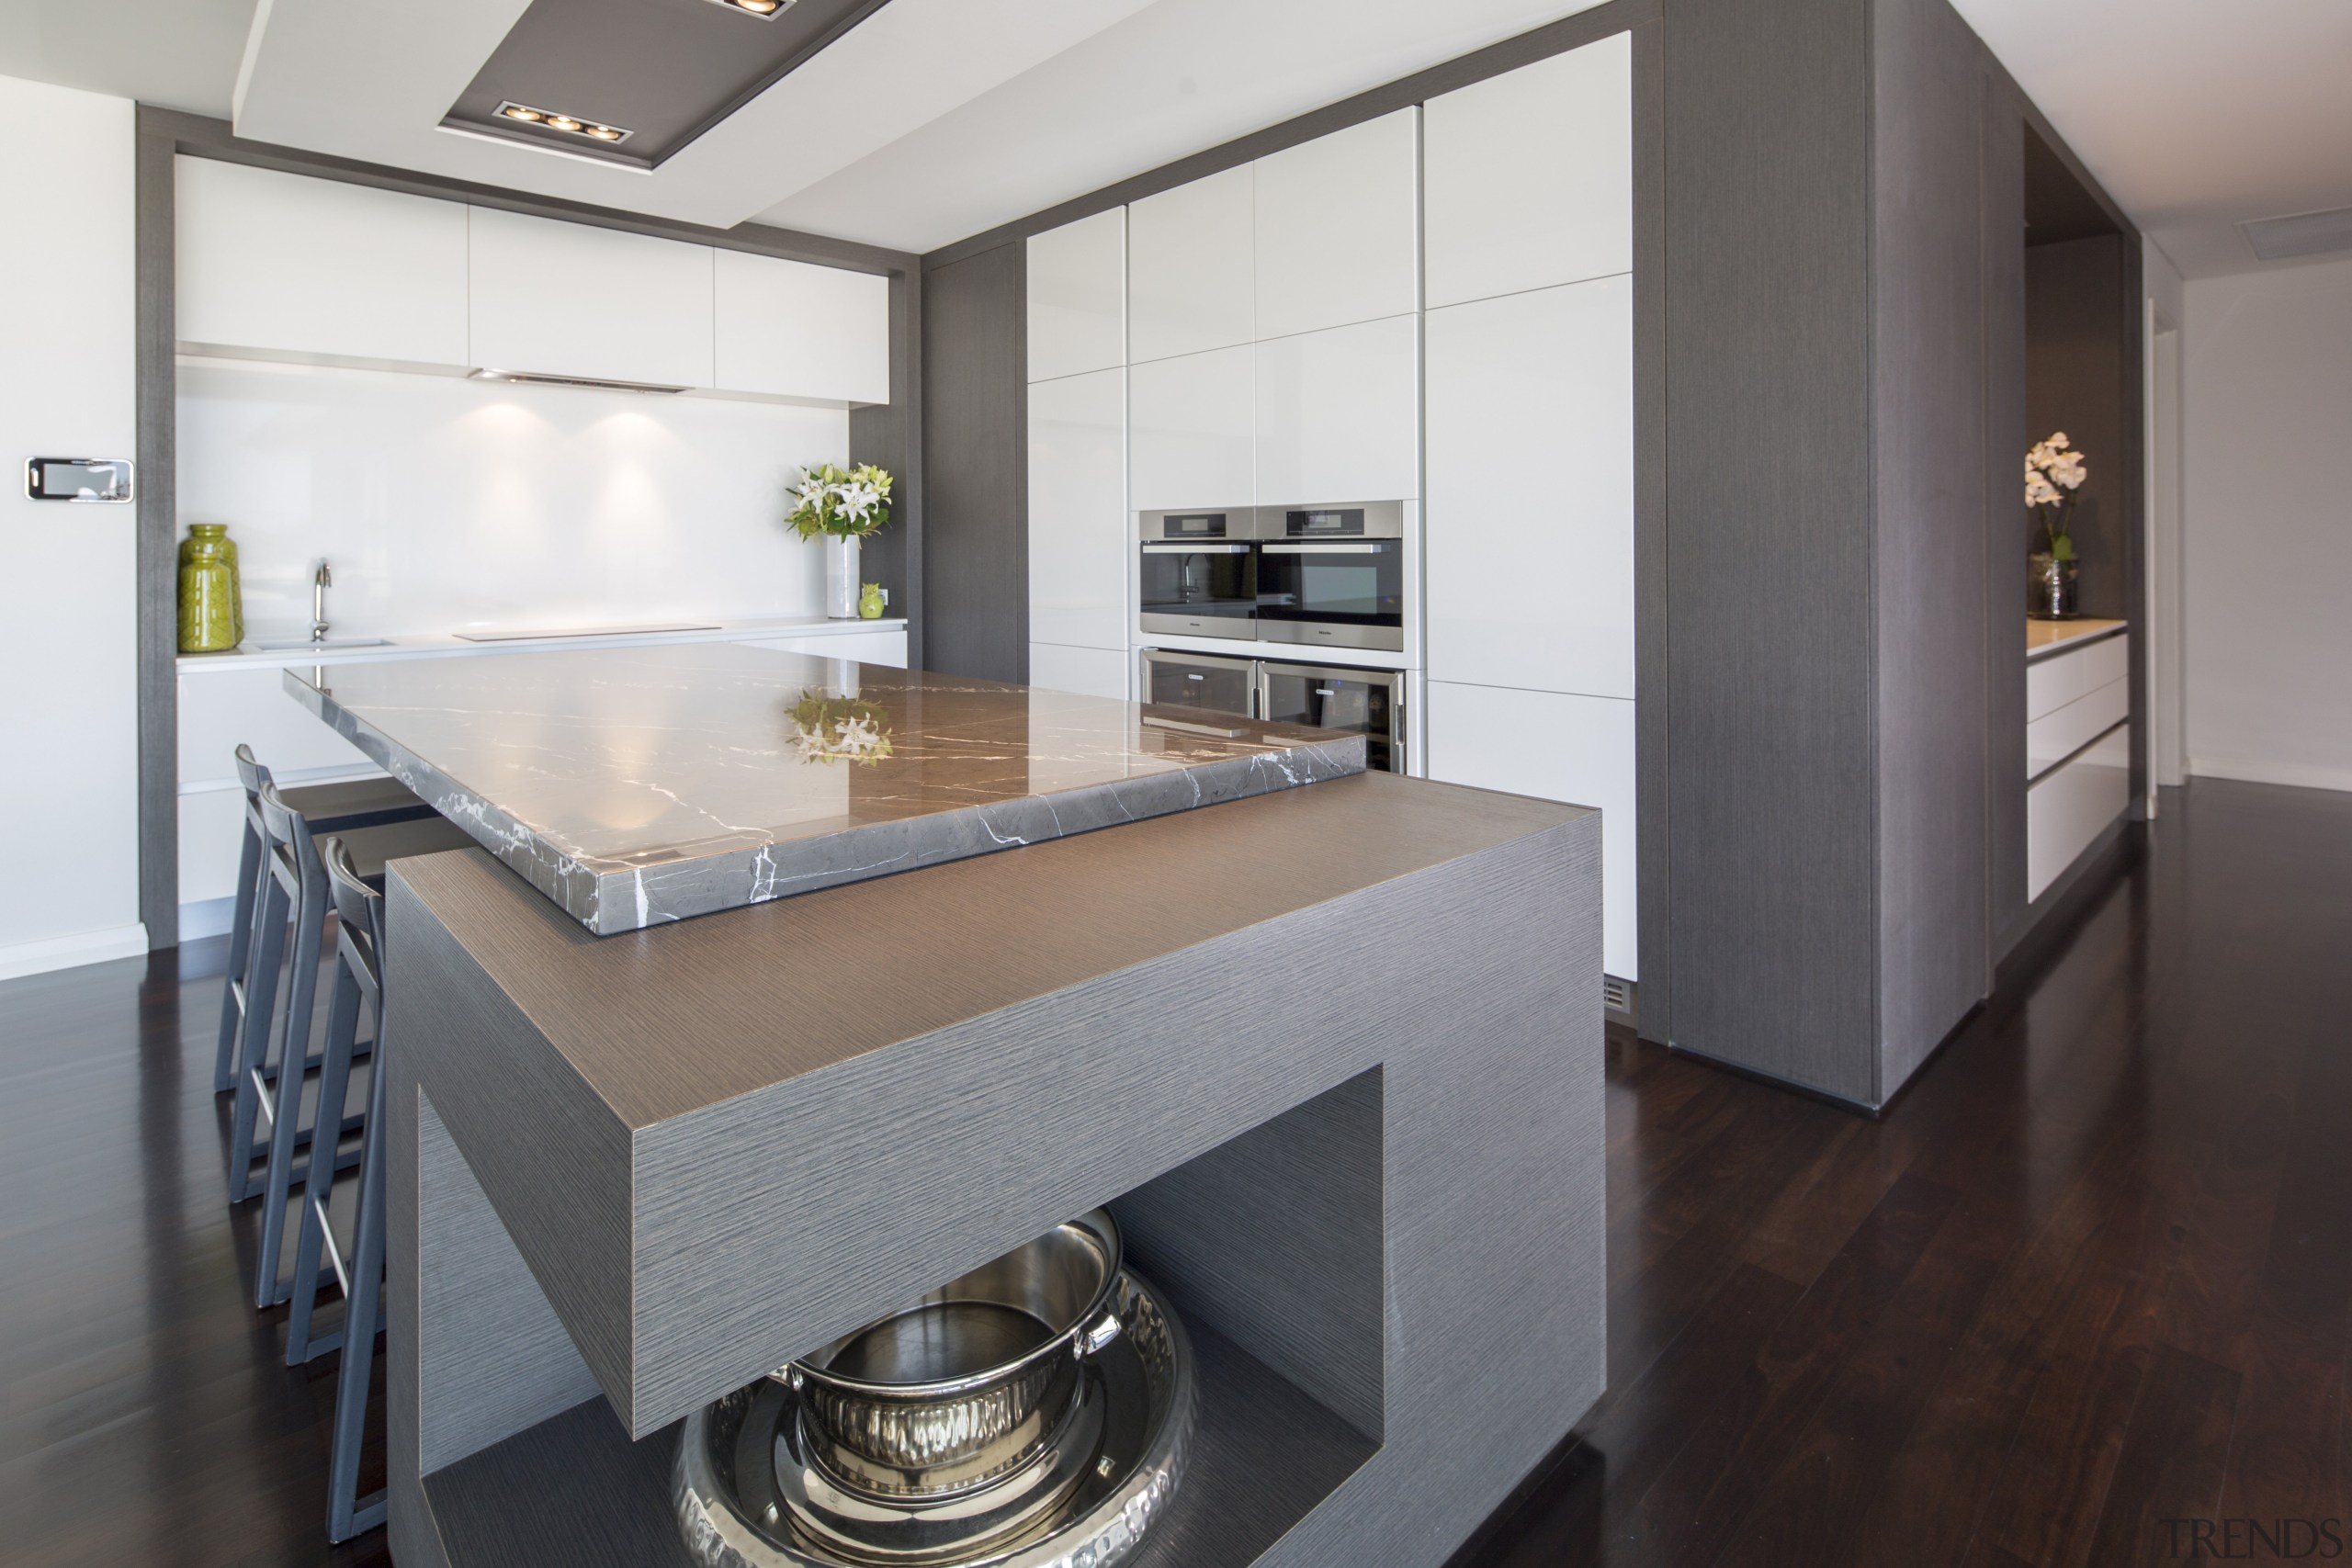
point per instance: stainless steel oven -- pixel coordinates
(1332, 576)
(1325, 696)
(1200, 573)
(1202, 681)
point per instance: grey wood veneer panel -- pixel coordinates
(156, 485)
(2005, 522)
(1277, 1236)
(1929, 443)
(1773, 826)
(1653, 651)
(558, 1175)
(496, 1358)
(975, 561)
(1030, 1113)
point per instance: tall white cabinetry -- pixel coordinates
(1529, 397)
(1078, 456)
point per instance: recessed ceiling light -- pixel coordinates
(571, 125)
(766, 10)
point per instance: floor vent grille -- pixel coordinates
(1617, 995)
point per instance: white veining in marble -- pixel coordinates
(636, 787)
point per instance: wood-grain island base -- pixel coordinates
(1332, 1055)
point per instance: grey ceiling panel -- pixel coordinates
(666, 70)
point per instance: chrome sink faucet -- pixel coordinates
(320, 583)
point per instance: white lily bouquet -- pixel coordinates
(2053, 472)
(842, 507)
(849, 504)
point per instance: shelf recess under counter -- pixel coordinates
(1332, 1053)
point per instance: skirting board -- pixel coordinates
(67, 952)
(2301, 775)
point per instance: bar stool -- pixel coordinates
(359, 1273)
(294, 890)
(329, 809)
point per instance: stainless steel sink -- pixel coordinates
(297, 644)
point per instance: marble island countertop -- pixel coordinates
(640, 786)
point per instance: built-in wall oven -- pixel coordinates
(1320, 696)
(1332, 576)
(1200, 573)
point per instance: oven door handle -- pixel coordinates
(1179, 547)
(1328, 546)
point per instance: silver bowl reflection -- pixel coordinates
(969, 1384)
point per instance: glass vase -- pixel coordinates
(210, 618)
(841, 577)
(2050, 591)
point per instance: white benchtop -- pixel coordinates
(2042, 638)
(444, 644)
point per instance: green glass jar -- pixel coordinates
(211, 620)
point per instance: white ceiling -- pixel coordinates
(2195, 115)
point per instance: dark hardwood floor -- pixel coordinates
(2092, 1274)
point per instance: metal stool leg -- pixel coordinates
(293, 1059)
(315, 1235)
(348, 1513)
(253, 1051)
(239, 984)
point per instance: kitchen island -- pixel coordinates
(1330, 1053)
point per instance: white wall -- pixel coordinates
(69, 810)
(446, 505)
(2267, 445)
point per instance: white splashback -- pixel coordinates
(446, 505)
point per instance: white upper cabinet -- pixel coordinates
(1339, 227)
(567, 300)
(1530, 405)
(1338, 415)
(1079, 533)
(1191, 434)
(1078, 297)
(317, 269)
(1530, 175)
(1190, 267)
(789, 330)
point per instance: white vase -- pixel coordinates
(841, 577)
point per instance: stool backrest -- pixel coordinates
(251, 774)
(286, 829)
(359, 915)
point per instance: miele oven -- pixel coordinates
(1331, 576)
(1200, 573)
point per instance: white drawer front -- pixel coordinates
(2058, 735)
(2069, 808)
(1095, 671)
(2052, 682)
(220, 709)
(866, 648)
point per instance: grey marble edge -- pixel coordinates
(611, 897)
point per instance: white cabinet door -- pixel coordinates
(1579, 749)
(1079, 534)
(1531, 474)
(222, 709)
(569, 300)
(1078, 297)
(1339, 227)
(1528, 176)
(1338, 414)
(314, 269)
(1190, 267)
(787, 329)
(1092, 671)
(1190, 431)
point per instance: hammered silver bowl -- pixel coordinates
(964, 1387)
